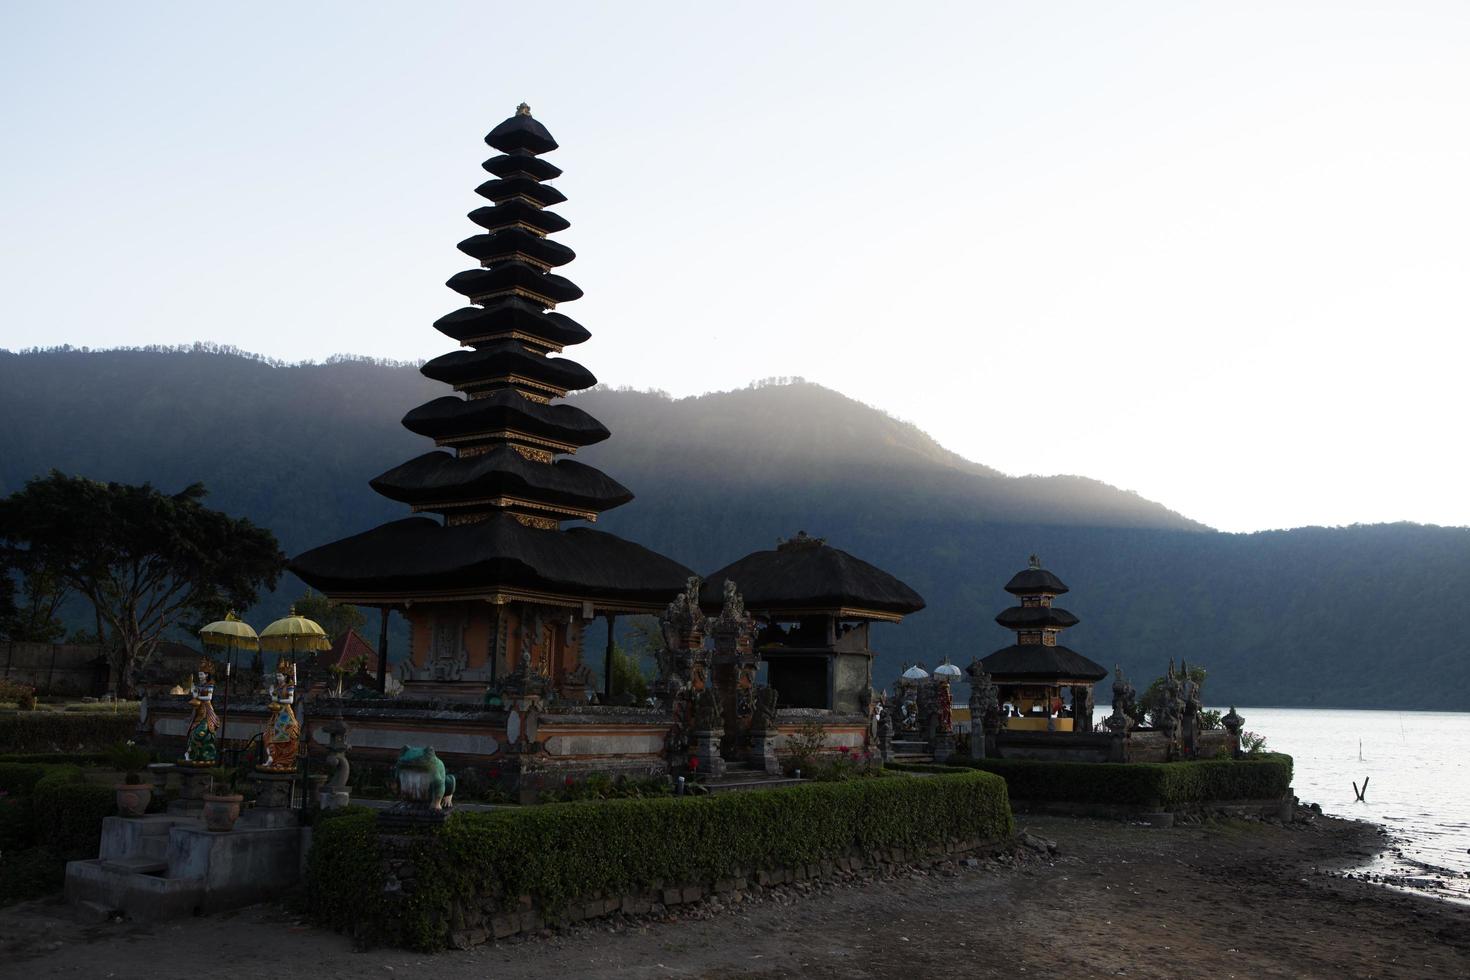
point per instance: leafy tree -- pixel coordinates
(146, 560)
(627, 675)
(8, 608)
(1152, 698)
(335, 618)
(340, 672)
(35, 619)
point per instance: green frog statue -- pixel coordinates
(422, 782)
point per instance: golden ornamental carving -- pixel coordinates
(533, 454)
(518, 335)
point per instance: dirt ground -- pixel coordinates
(1232, 899)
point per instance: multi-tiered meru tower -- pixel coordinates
(498, 581)
(1031, 673)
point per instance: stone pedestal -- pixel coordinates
(194, 782)
(273, 790)
(977, 741)
(1118, 747)
(158, 776)
(706, 748)
(334, 799)
(942, 745)
(408, 814)
(763, 753)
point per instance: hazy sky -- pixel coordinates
(1215, 253)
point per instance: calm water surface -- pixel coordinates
(1416, 763)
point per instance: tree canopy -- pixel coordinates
(334, 617)
(145, 559)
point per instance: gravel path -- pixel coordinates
(1235, 899)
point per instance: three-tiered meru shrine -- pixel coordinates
(1031, 673)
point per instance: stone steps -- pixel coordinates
(138, 865)
(766, 782)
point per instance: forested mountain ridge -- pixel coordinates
(1307, 616)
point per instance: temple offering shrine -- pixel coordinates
(1031, 673)
(493, 583)
(815, 605)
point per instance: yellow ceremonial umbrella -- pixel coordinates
(289, 636)
(229, 634)
(294, 634)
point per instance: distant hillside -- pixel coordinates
(1309, 616)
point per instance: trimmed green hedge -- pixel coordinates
(558, 853)
(20, 778)
(1156, 785)
(68, 812)
(75, 758)
(65, 810)
(49, 815)
(60, 731)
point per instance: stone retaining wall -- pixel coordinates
(62, 669)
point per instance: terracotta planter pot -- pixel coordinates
(221, 812)
(132, 798)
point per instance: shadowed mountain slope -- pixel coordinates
(1300, 617)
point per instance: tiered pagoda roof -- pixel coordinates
(1036, 655)
(499, 480)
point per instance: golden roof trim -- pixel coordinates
(508, 435)
(482, 299)
(839, 612)
(520, 335)
(513, 379)
(516, 256)
(506, 501)
(499, 597)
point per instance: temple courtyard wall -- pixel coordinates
(574, 741)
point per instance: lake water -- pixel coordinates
(1417, 766)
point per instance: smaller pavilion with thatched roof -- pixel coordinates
(816, 605)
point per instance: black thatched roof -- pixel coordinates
(451, 416)
(521, 132)
(809, 574)
(1037, 662)
(511, 314)
(521, 162)
(514, 275)
(420, 555)
(506, 357)
(1033, 581)
(512, 241)
(441, 477)
(505, 188)
(519, 213)
(1035, 617)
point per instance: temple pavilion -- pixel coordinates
(815, 605)
(487, 574)
(1029, 674)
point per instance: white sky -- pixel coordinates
(1212, 253)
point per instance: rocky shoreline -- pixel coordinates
(1067, 897)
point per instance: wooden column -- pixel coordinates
(607, 663)
(383, 651)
